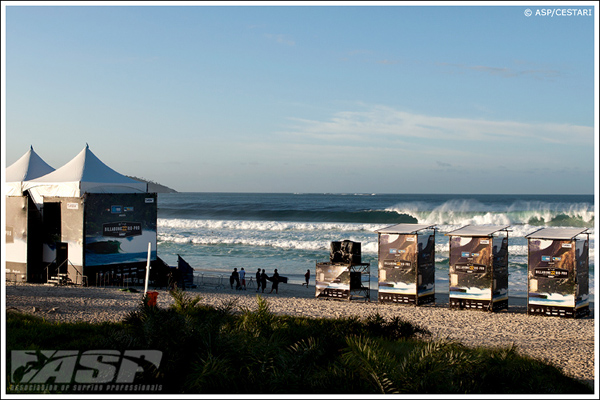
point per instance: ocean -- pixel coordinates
(215, 232)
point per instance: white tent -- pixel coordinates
(85, 173)
(29, 166)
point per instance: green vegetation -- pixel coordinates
(234, 350)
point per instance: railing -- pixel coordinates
(202, 279)
(15, 278)
(63, 278)
(78, 276)
(47, 269)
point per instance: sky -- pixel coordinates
(340, 98)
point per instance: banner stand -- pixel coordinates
(342, 277)
(479, 268)
(406, 264)
(558, 272)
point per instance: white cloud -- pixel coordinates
(505, 72)
(390, 124)
(282, 39)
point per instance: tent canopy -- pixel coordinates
(85, 173)
(29, 166)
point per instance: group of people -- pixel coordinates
(239, 279)
(262, 278)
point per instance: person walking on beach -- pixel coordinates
(243, 279)
(263, 280)
(258, 280)
(275, 279)
(235, 277)
(171, 280)
(307, 277)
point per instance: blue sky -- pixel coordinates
(383, 99)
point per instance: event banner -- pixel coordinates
(558, 276)
(118, 228)
(406, 267)
(471, 271)
(332, 280)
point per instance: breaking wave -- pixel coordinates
(463, 212)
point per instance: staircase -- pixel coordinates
(58, 280)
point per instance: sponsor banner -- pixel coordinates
(118, 228)
(406, 267)
(469, 250)
(398, 287)
(458, 302)
(476, 268)
(470, 293)
(554, 278)
(332, 280)
(557, 311)
(385, 297)
(551, 299)
(334, 293)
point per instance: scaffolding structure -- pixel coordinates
(342, 277)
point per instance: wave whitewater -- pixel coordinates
(463, 212)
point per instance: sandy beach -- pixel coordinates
(566, 343)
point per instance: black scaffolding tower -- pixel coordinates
(344, 277)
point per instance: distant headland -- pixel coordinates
(154, 187)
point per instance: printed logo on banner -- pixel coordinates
(567, 245)
(484, 241)
(116, 209)
(72, 206)
(122, 229)
(546, 258)
(128, 209)
(396, 264)
(58, 370)
(410, 239)
(149, 200)
(551, 273)
(393, 251)
(465, 254)
(470, 269)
